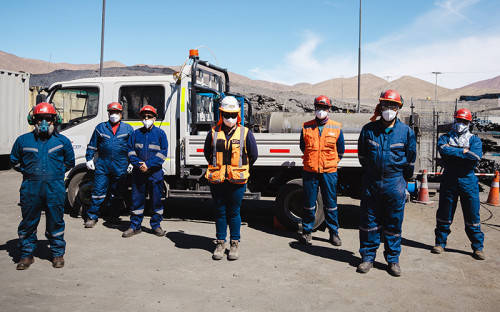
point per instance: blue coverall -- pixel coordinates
(388, 157)
(43, 163)
(458, 179)
(149, 146)
(327, 183)
(110, 167)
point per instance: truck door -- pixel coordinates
(134, 96)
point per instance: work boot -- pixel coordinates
(131, 232)
(478, 255)
(90, 223)
(220, 250)
(58, 262)
(364, 267)
(306, 239)
(437, 249)
(159, 231)
(25, 263)
(335, 240)
(394, 269)
(234, 250)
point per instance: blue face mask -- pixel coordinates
(44, 128)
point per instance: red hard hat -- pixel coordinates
(463, 113)
(44, 108)
(148, 108)
(392, 96)
(322, 100)
(115, 106)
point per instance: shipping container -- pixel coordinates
(14, 107)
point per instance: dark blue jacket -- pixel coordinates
(385, 155)
(42, 160)
(455, 161)
(111, 148)
(151, 147)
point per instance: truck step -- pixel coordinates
(206, 194)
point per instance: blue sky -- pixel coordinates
(283, 41)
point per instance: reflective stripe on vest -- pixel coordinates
(320, 154)
(229, 161)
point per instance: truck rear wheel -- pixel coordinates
(288, 206)
(80, 192)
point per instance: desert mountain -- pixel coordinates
(338, 88)
(14, 63)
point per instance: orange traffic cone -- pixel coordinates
(277, 225)
(423, 194)
(494, 196)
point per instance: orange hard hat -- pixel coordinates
(148, 108)
(391, 96)
(322, 100)
(463, 113)
(44, 108)
(115, 106)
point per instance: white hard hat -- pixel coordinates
(230, 104)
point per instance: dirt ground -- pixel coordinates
(176, 273)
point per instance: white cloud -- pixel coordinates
(302, 65)
(434, 41)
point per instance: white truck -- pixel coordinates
(187, 105)
(14, 105)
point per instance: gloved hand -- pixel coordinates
(90, 164)
(130, 167)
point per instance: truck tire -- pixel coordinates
(288, 206)
(80, 192)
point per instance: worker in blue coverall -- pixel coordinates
(387, 152)
(322, 143)
(230, 149)
(110, 141)
(42, 156)
(461, 152)
(147, 148)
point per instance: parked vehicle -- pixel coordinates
(187, 104)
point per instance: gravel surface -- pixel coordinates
(105, 272)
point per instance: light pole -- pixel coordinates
(102, 35)
(342, 92)
(359, 60)
(434, 134)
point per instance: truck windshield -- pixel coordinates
(76, 104)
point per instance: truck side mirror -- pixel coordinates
(40, 98)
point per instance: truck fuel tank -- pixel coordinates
(279, 122)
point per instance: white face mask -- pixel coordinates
(230, 122)
(459, 127)
(389, 114)
(147, 123)
(321, 114)
(114, 118)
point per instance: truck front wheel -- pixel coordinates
(80, 192)
(289, 206)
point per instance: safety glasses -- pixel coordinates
(46, 118)
(229, 115)
(391, 107)
(147, 116)
(321, 107)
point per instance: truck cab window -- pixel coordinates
(76, 104)
(133, 98)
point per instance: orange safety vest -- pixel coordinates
(320, 154)
(229, 157)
